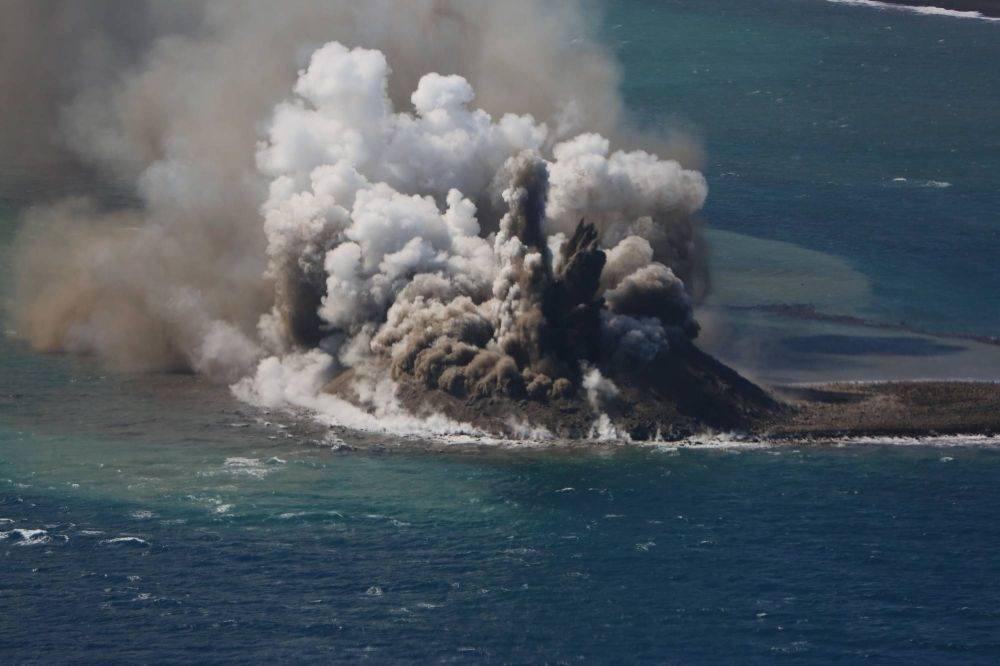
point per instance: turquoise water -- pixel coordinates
(152, 518)
(810, 110)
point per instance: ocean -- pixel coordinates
(853, 218)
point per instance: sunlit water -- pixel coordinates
(153, 518)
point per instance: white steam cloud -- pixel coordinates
(373, 235)
(405, 207)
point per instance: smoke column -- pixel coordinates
(430, 193)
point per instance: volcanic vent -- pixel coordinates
(576, 340)
(445, 266)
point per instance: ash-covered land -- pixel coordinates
(886, 409)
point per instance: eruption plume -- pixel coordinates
(380, 259)
(435, 216)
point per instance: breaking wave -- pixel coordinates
(919, 9)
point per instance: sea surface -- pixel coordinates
(853, 155)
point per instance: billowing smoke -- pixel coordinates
(163, 104)
(428, 193)
(380, 255)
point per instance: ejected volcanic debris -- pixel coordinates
(442, 270)
(572, 341)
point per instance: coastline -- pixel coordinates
(989, 8)
(850, 412)
(886, 409)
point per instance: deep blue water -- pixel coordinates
(179, 525)
(813, 556)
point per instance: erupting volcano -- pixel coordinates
(572, 316)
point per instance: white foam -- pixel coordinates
(238, 466)
(938, 441)
(710, 441)
(295, 383)
(246, 467)
(737, 443)
(27, 537)
(308, 514)
(129, 540)
(920, 184)
(931, 11)
(214, 504)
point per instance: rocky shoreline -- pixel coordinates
(687, 396)
(675, 396)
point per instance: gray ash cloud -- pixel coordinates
(319, 193)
